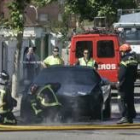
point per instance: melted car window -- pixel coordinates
(75, 75)
(105, 49)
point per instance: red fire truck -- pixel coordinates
(104, 49)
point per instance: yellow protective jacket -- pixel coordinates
(91, 62)
(51, 60)
(3, 102)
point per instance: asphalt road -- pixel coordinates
(121, 134)
(73, 135)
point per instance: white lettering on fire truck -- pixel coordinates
(106, 66)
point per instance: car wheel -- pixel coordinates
(97, 113)
(107, 109)
(26, 111)
(23, 107)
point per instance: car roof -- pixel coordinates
(67, 74)
(68, 67)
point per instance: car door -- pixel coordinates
(108, 57)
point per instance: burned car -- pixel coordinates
(80, 90)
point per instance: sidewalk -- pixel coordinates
(16, 110)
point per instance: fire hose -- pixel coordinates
(69, 127)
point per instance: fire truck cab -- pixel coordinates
(104, 48)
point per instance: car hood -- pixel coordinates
(75, 90)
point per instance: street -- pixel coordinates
(73, 135)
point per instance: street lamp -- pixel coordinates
(36, 10)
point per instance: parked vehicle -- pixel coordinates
(128, 28)
(82, 93)
(104, 49)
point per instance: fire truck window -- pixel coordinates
(105, 49)
(81, 45)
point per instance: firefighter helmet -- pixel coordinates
(125, 48)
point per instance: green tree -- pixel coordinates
(125, 4)
(88, 9)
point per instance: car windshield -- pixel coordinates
(130, 34)
(68, 75)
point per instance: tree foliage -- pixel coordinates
(85, 9)
(88, 9)
(16, 20)
(125, 4)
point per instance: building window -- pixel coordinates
(43, 17)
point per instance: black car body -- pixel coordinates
(82, 92)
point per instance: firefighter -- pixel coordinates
(43, 101)
(86, 60)
(127, 76)
(53, 59)
(49, 101)
(7, 103)
(36, 110)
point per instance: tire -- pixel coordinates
(97, 113)
(26, 110)
(107, 110)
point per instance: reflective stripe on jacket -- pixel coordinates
(43, 100)
(126, 63)
(34, 106)
(9, 121)
(2, 102)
